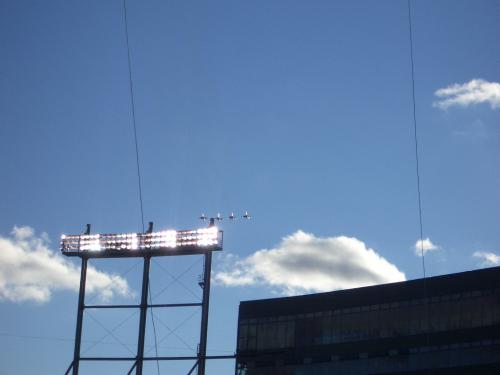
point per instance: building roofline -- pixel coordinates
(485, 278)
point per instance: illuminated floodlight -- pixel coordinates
(167, 242)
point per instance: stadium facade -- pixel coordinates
(440, 325)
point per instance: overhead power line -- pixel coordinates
(138, 165)
(417, 172)
(99, 342)
(415, 136)
(132, 102)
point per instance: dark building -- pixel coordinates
(441, 325)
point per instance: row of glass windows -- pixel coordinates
(401, 319)
(454, 355)
(383, 306)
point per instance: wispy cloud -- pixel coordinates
(477, 130)
(426, 245)
(31, 271)
(473, 92)
(487, 258)
(304, 263)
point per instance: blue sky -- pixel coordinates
(299, 112)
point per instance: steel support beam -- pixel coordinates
(132, 368)
(193, 304)
(130, 359)
(79, 317)
(193, 368)
(69, 369)
(143, 316)
(205, 304)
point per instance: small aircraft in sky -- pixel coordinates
(219, 217)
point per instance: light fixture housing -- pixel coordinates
(167, 242)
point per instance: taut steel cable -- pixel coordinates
(138, 164)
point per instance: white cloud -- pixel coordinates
(425, 244)
(29, 270)
(303, 263)
(475, 91)
(488, 259)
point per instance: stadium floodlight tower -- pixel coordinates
(201, 241)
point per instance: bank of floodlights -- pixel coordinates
(198, 240)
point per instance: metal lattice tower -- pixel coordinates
(147, 245)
